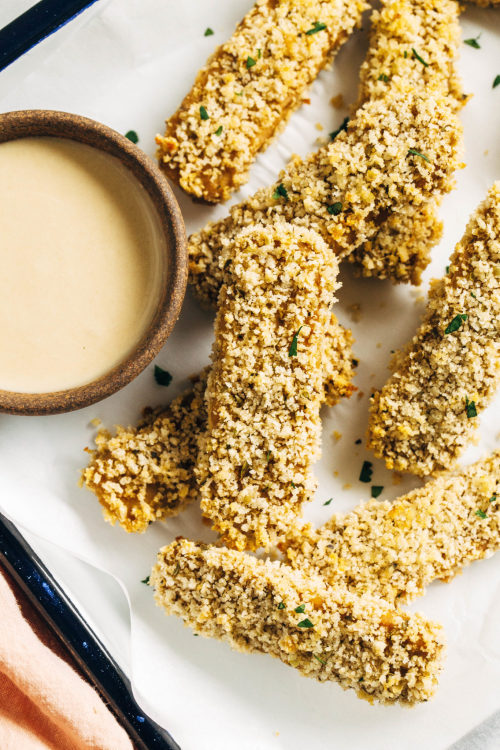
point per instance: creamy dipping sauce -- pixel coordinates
(80, 263)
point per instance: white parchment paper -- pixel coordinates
(128, 63)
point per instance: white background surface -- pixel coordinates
(128, 63)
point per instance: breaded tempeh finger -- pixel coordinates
(265, 388)
(394, 550)
(146, 473)
(248, 90)
(326, 633)
(427, 411)
(397, 156)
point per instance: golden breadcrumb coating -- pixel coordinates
(427, 411)
(394, 550)
(249, 88)
(144, 474)
(402, 30)
(326, 633)
(396, 156)
(265, 388)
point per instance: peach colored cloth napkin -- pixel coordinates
(44, 703)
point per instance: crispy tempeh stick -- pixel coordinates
(265, 387)
(368, 173)
(326, 633)
(248, 89)
(146, 473)
(426, 413)
(394, 550)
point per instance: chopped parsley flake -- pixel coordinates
(219, 130)
(496, 82)
(293, 486)
(251, 62)
(473, 42)
(318, 659)
(383, 77)
(244, 469)
(132, 136)
(342, 127)
(335, 208)
(328, 501)
(292, 352)
(280, 192)
(281, 605)
(420, 59)
(208, 32)
(268, 456)
(366, 472)
(176, 569)
(162, 377)
(145, 580)
(417, 153)
(259, 53)
(317, 26)
(376, 490)
(305, 623)
(481, 513)
(473, 295)
(470, 408)
(493, 499)
(447, 269)
(300, 609)
(203, 113)
(455, 323)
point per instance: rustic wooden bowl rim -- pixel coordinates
(30, 123)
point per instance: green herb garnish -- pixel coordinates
(473, 42)
(317, 26)
(420, 59)
(335, 208)
(496, 82)
(162, 377)
(481, 513)
(251, 62)
(328, 501)
(244, 469)
(145, 580)
(383, 77)
(417, 153)
(342, 127)
(292, 352)
(455, 323)
(366, 472)
(208, 32)
(300, 609)
(280, 192)
(281, 605)
(203, 113)
(320, 660)
(305, 624)
(132, 136)
(376, 490)
(259, 53)
(470, 408)
(447, 269)
(219, 130)
(493, 499)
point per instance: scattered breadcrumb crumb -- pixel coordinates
(336, 435)
(337, 101)
(328, 634)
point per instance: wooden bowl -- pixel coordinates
(29, 123)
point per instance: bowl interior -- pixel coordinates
(172, 255)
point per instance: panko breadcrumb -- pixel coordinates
(265, 388)
(145, 474)
(426, 413)
(325, 633)
(248, 90)
(396, 156)
(394, 550)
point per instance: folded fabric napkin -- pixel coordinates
(44, 703)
